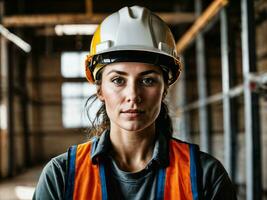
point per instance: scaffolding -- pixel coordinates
(250, 94)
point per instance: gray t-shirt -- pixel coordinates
(216, 184)
(127, 185)
(131, 186)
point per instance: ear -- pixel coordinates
(99, 94)
(165, 92)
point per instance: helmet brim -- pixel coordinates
(169, 64)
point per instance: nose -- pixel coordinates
(133, 93)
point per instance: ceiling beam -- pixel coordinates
(54, 19)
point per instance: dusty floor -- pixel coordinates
(20, 187)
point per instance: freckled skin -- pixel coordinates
(132, 93)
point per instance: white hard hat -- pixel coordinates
(133, 34)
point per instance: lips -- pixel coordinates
(133, 114)
(137, 111)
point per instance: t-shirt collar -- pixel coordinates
(160, 152)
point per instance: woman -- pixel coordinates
(133, 61)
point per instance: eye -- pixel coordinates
(118, 81)
(147, 81)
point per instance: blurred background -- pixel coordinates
(219, 101)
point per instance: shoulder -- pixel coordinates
(178, 141)
(55, 168)
(212, 169)
(210, 163)
(193, 148)
(216, 182)
(52, 180)
(58, 162)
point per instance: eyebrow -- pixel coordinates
(142, 73)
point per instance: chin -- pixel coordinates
(135, 127)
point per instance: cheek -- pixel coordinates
(111, 99)
(106, 91)
(111, 105)
(153, 100)
(155, 95)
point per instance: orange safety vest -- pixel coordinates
(178, 181)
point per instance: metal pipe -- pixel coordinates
(202, 91)
(184, 118)
(233, 92)
(252, 132)
(228, 151)
(15, 39)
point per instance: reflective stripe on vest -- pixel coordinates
(178, 181)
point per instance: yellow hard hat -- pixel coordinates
(133, 34)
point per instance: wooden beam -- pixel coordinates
(89, 7)
(177, 18)
(53, 19)
(199, 24)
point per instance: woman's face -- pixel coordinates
(132, 93)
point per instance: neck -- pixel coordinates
(132, 150)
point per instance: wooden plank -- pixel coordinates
(199, 24)
(54, 19)
(177, 18)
